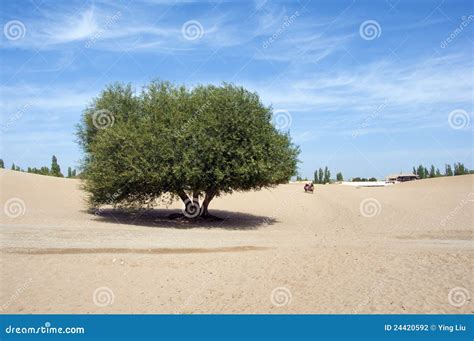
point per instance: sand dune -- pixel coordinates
(406, 248)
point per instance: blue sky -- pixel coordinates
(366, 87)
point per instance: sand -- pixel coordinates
(407, 249)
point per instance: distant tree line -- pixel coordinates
(357, 179)
(54, 170)
(424, 173)
(323, 176)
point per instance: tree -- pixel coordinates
(460, 169)
(73, 173)
(327, 175)
(69, 172)
(448, 170)
(372, 179)
(316, 180)
(414, 170)
(193, 144)
(339, 177)
(2, 164)
(13, 166)
(44, 171)
(432, 171)
(55, 169)
(321, 175)
(438, 173)
(421, 172)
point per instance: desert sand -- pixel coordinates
(406, 248)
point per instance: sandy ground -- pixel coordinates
(407, 248)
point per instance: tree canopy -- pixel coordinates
(191, 143)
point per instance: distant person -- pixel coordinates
(309, 188)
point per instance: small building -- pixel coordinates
(402, 177)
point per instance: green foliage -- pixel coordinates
(460, 169)
(339, 177)
(321, 175)
(372, 179)
(448, 170)
(2, 164)
(358, 179)
(168, 139)
(421, 172)
(316, 179)
(432, 171)
(54, 171)
(327, 175)
(55, 168)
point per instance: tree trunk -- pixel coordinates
(205, 204)
(191, 207)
